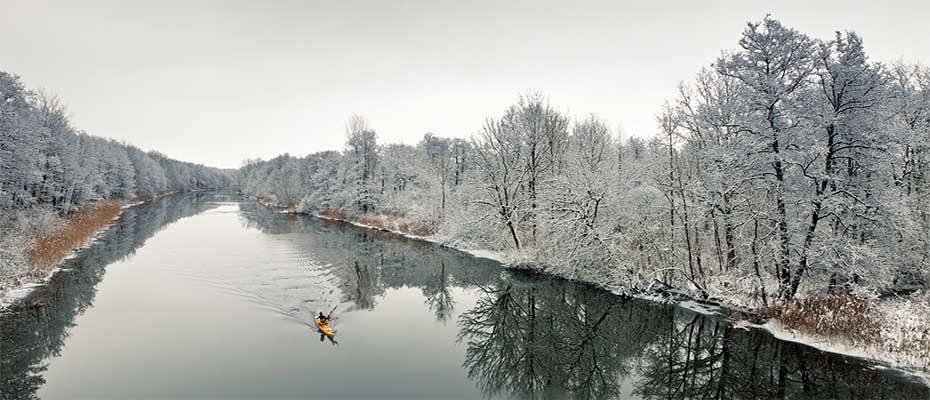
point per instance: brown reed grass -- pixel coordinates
(80, 227)
(339, 214)
(842, 316)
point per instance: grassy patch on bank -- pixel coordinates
(334, 214)
(852, 318)
(899, 328)
(386, 222)
(51, 247)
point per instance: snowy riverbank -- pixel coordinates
(25, 290)
(903, 362)
(910, 363)
(21, 288)
(498, 256)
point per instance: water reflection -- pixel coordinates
(536, 337)
(438, 292)
(514, 334)
(30, 335)
(332, 339)
(361, 264)
(541, 338)
(700, 357)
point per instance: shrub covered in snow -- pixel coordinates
(19, 232)
(905, 328)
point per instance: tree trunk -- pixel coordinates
(513, 233)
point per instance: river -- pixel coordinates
(201, 295)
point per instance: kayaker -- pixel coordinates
(323, 319)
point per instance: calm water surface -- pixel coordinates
(202, 296)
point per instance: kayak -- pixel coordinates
(324, 327)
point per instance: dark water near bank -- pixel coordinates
(200, 296)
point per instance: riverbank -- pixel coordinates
(144, 281)
(394, 226)
(898, 334)
(37, 242)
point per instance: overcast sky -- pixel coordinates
(218, 82)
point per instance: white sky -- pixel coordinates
(218, 82)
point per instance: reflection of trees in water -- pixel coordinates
(700, 357)
(365, 287)
(32, 334)
(689, 359)
(540, 338)
(365, 262)
(548, 337)
(438, 293)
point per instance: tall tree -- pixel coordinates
(774, 64)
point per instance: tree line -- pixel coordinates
(791, 165)
(46, 161)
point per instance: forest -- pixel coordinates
(50, 171)
(792, 170)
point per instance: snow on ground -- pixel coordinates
(700, 308)
(125, 206)
(19, 294)
(832, 345)
(653, 297)
(498, 256)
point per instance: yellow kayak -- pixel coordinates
(324, 327)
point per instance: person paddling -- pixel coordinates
(322, 323)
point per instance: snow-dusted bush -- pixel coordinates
(905, 328)
(14, 256)
(19, 232)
